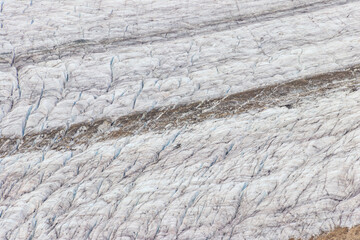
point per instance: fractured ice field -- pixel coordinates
(179, 119)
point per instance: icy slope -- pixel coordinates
(272, 174)
(178, 119)
(51, 84)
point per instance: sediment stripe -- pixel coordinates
(287, 94)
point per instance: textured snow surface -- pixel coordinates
(272, 172)
(55, 81)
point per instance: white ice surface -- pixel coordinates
(273, 174)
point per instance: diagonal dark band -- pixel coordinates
(83, 46)
(159, 119)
